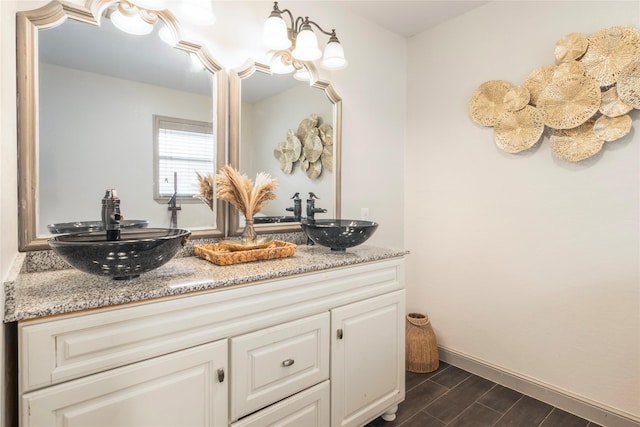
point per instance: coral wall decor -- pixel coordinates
(584, 98)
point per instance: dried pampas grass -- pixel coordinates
(206, 189)
(244, 195)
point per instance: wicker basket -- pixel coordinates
(216, 253)
(421, 348)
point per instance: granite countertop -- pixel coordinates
(30, 295)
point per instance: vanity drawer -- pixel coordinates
(277, 362)
(309, 408)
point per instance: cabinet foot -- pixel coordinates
(390, 415)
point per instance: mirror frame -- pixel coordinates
(235, 106)
(28, 24)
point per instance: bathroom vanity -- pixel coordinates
(316, 339)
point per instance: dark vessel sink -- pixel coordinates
(339, 234)
(137, 251)
(85, 226)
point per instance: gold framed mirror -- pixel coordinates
(264, 107)
(77, 137)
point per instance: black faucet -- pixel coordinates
(296, 208)
(111, 215)
(311, 208)
(311, 212)
(173, 207)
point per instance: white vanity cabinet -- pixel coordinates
(185, 388)
(317, 349)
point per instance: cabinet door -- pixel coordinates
(186, 388)
(367, 359)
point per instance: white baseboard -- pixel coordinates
(577, 405)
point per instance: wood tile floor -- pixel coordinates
(453, 397)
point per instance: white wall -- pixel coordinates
(523, 262)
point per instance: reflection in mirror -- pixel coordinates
(93, 91)
(269, 108)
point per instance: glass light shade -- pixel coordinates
(302, 74)
(132, 24)
(306, 46)
(333, 58)
(275, 33)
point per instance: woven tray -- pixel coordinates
(218, 255)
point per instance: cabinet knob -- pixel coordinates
(220, 375)
(339, 334)
(288, 362)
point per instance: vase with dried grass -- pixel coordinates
(421, 347)
(248, 197)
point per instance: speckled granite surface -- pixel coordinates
(32, 294)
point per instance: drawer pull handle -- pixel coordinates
(220, 375)
(339, 334)
(288, 362)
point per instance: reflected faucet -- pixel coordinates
(297, 208)
(173, 208)
(111, 215)
(311, 208)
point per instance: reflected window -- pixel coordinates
(182, 149)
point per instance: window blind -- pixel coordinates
(184, 147)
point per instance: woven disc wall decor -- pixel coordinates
(609, 51)
(516, 99)
(569, 102)
(519, 130)
(629, 84)
(612, 128)
(576, 144)
(288, 152)
(326, 158)
(569, 69)
(611, 104)
(312, 146)
(306, 125)
(539, 79)
(571, 47)
(584, 99)
(326, 133)
(487, 102)
(315, 169)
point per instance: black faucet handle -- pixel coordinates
(313, 196)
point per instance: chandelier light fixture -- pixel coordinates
(297, 44)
